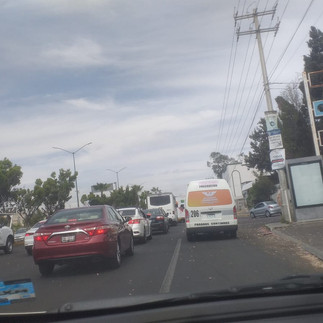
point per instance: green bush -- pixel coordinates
(261, 190)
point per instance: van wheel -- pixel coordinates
(189, 236)
(233, 234)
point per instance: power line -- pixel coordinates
(291, 39)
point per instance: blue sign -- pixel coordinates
(15, 291)
(274, 132)
(318, 108)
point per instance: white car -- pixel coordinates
(6, 233)
(29, 237)
(139, 222)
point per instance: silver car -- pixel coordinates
(29, 237)
(139, 222)
(20, 234)
(266, 208)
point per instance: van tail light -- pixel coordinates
(187, 217)
(41, 236)
(103, 229)
(235, 212)
(134, 221)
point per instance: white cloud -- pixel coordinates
(144, 81)
(81, 53)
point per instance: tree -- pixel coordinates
(295, 129)
(10, 176)
(259, 156)
(121, 197)
(219, 163)
(102, 187)
(55, 191)
(313, 63)
(143, 199)
(93, 199)
(261, 190)
(27, 205)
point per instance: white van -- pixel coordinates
(210, 208)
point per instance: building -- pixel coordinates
(240, 178)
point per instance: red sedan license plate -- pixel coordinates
(70, 238)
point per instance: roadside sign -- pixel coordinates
(271, 120)
(277, 158)
(275, 141)
(318, 108)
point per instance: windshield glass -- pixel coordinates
(159, 200)
(77, 215)
(128, 212)
(207, 112)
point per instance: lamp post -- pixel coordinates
(73, 154)
(117, 173)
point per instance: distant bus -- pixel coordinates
(166, 201)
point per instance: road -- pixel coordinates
(166, 264)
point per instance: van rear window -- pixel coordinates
(209, 198)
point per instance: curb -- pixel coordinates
(312, 250)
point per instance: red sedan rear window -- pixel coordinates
(77, 215)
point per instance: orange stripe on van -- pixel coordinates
(209, 198)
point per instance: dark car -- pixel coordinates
(266, 208)
(95, 232)
(159, 219)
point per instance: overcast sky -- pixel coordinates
(154, 85)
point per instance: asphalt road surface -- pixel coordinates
(166, 264)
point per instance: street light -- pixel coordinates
(117, 173)
(73, 153)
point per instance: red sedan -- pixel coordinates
(82, 233)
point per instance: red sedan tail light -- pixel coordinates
(41, 236)
(94, 231)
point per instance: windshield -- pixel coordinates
(154, 212)
(159, 200)
(77, 215)
(129, 212)
(205, 112)
(22, 230)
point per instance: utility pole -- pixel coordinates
(286, 210)
(310, 113)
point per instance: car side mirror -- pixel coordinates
(127, 218)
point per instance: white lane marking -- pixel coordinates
(167, 282)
